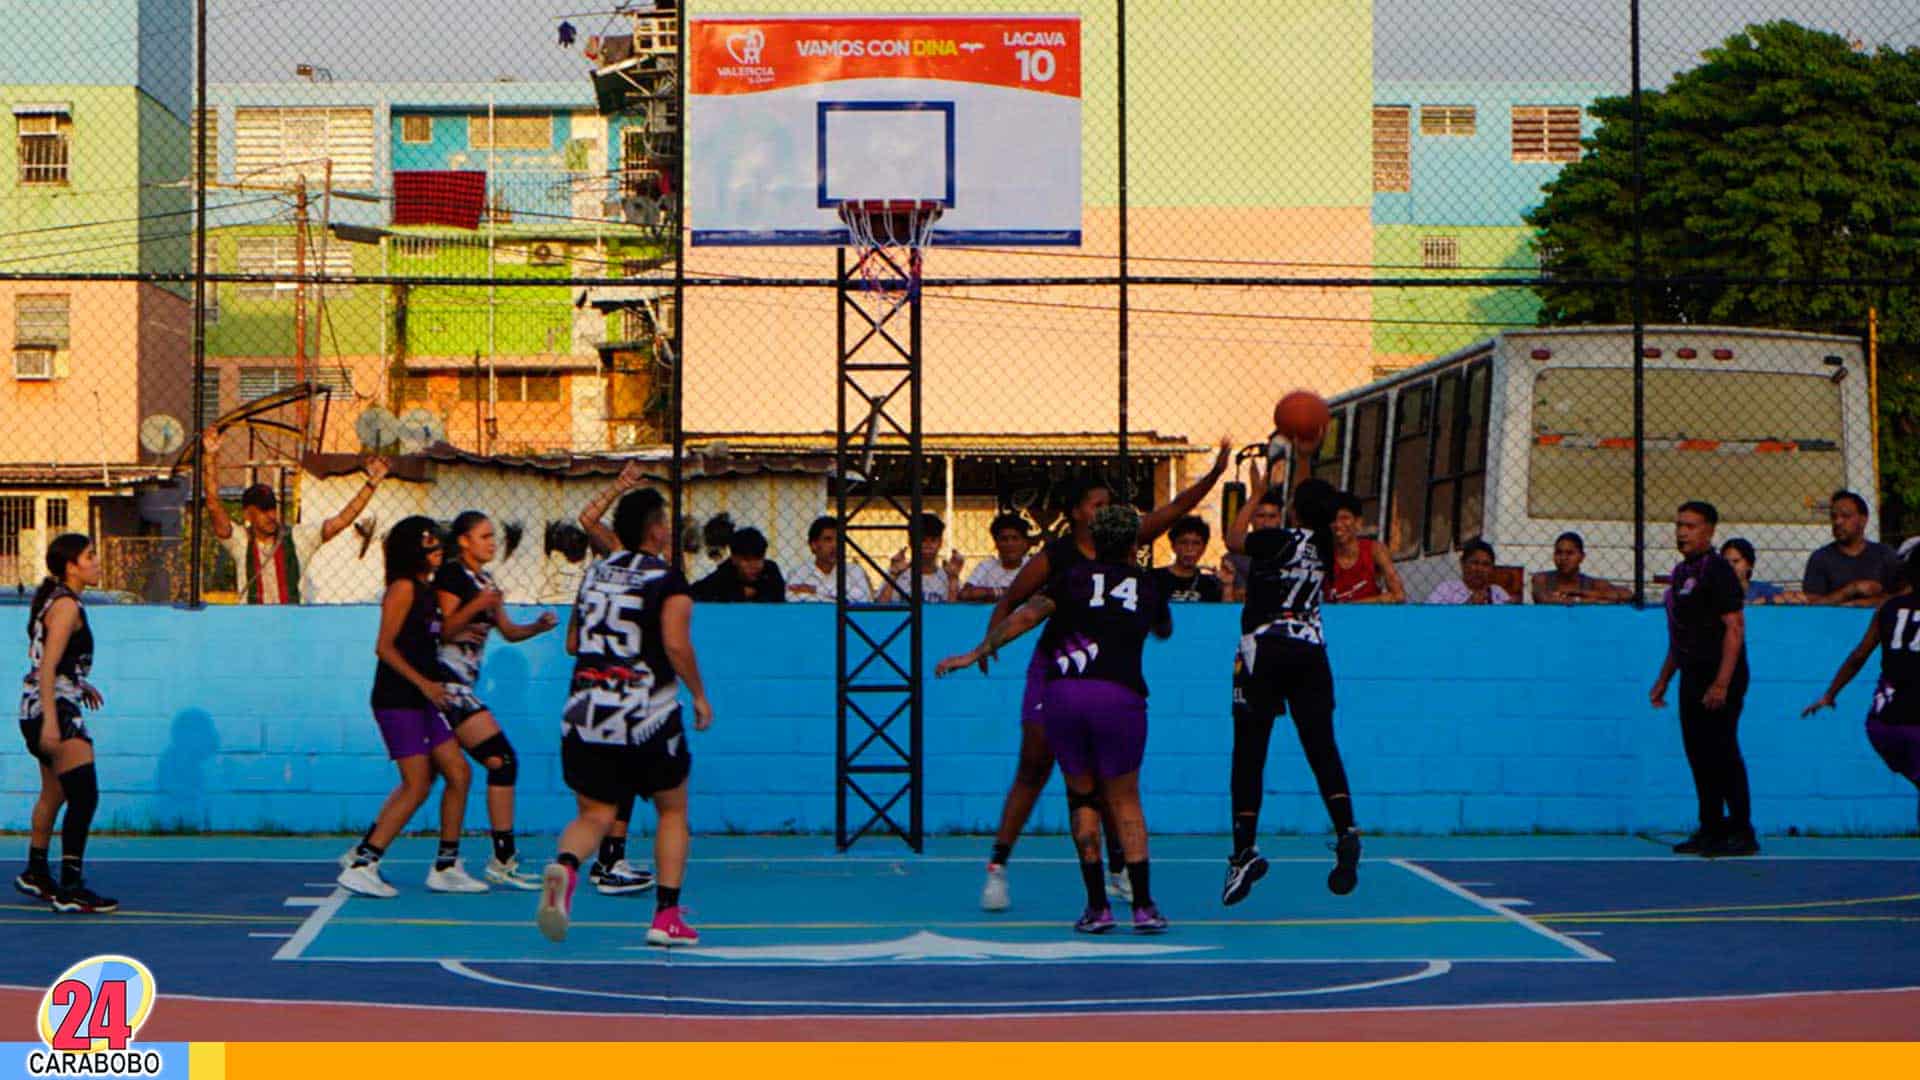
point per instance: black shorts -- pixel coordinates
(462, 704)
(611, 773)
(1284, 674)
(71, 725)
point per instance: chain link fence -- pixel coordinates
(449, 237)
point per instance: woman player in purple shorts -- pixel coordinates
(1893, 720)
(409, 690)
(1036, 760)
(1095, 700)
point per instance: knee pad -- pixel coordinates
(1088, 801)
(82, 788)
(497, 746)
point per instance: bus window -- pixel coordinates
(1407, 494)
(1473, 476)
(1368, 449)
(1327, 460)
(1443, 485)
(1763, 447)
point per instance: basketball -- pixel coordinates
(1302, 416)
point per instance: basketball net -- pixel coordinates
(890, 236)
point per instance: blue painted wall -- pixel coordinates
(1451, 720)
(1473, 180)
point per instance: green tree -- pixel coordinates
(1786, 153)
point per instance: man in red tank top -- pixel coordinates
(1363, 573)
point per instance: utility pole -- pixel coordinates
(300, 234)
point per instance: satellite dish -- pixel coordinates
(377, 429)
(421, 428)
(162, 434)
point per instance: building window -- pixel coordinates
(1546, 133)
(277, 255)
(56, 513)
(1439, 253)
(210, 168)
(1446, 120)
(42, 321)
(16, 517)
(510, 132)
(510, 386)
(210, 396)
(258, 382)
(416, 129)
(44, 135)
(415, 389)
(1392, 148)
(282, 145)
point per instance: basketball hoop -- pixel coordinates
(890, 235)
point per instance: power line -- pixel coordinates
(130, 220)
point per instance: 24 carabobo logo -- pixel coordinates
(88, 1019)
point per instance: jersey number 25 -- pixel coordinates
(608, 624)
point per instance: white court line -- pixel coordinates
(1477, 900)
(1584, 933)
(1433, 969)
(1508, 901)
(268, 934)
(323, 909)
(499, 1010)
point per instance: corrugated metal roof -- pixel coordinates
(408, 96)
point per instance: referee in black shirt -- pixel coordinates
(1707, 645)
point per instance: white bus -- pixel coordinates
(1519, 438)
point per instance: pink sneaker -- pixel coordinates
(556, 900)
(669, 929)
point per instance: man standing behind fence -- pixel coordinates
(268, 554)
(1707, 645)
(1852, 570)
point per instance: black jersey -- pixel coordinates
(75, 663)
(1897, 699)
(1063, 554)
(1704, 591)
(418, 642)
(1102, 615)
(461, 659)
(1285, 579)
(1201, 588)
(624, 687)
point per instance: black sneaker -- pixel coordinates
(38, 884)
(81, 900)
(1346, 868)
(1243, 869)
(1735, 844)
(1701, 842)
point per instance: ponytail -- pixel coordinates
(60, 554)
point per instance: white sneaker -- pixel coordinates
(556, 902)
(454, 879)
(993, 896)
(346, 857)
(508, 874)
(366, 881)
(623, 878)
(1120, 886)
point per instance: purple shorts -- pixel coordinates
(1095, 727)
(1035, 696)
(1898, 746)
(412, 732)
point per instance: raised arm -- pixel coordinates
(602, 538)
(1162, 518)
(1236, 538)
(1849, 667)
(217, 520)
(377, 469)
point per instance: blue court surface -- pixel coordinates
(789, 926)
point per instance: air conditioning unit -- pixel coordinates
(33, 362)
(626, 436)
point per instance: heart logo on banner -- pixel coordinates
(745, 47)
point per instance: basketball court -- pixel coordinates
(1535, 937)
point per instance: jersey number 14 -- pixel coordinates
(1127, 592)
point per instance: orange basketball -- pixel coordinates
(1302, 416)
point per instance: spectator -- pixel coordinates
(1362, 571)
(1739, 553)
(990, 579)
(1475, 585)
(1184, 581)
(939, 582)
(1853, 570)
(747, 577)
(267, 554)
(1565, 584)
(816, 582)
